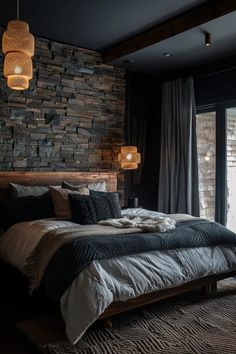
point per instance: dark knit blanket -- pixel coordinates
(75, 255)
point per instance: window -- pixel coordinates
(216, 144)
(206, 146)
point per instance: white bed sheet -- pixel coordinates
(117, 279)
(20, 239)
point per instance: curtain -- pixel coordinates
(178, 176)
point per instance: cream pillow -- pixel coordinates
(95, 186)
(61, 200)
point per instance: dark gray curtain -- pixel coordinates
(178, 177)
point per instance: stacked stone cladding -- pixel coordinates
(231, 168)
(70, 119)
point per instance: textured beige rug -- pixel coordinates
(184, 325)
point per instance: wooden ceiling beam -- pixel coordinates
(193, 18)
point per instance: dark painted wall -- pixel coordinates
(143, 101)
(215, 87)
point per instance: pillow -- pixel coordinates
(87, 210)
(26, 209)
(104, 194)
(96, 186)
(18, 190)
(61, 201)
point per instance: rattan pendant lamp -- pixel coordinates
(129, 158)
(18, 46)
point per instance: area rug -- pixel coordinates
(189, 325)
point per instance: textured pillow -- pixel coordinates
(105, 194)
(87, 210)
(96, 186)
(26, 209)
(61, 201)
(18, 190)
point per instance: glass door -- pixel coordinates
(206, 148)
(231, 168)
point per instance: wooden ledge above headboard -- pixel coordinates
(55, 178)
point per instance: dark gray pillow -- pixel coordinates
(105, 194)
(87, 210)
(26, 209)
(18, 190)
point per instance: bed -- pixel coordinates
(109, 286)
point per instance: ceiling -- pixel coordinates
(188, 49)
(100, 24)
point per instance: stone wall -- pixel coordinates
(71, 117)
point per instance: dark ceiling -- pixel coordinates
(99, 24)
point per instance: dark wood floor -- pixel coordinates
(16, 306)
(12, 341)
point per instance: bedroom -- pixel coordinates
(86, 100)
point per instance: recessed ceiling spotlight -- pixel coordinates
(167, 54)
(128, 61)
(207, 39)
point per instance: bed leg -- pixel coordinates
(209, 289)
(106, 322)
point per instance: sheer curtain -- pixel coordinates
(178, 177)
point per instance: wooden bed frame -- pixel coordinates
(54, 178)
(207, 284)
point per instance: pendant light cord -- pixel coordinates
(18, 10)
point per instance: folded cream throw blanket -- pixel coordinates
(146, 223)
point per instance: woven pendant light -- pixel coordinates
(18, 70)
(18, 45)
(129, 158)
(17, 38)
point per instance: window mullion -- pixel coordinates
(221, 160)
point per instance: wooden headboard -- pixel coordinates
(55, 178)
